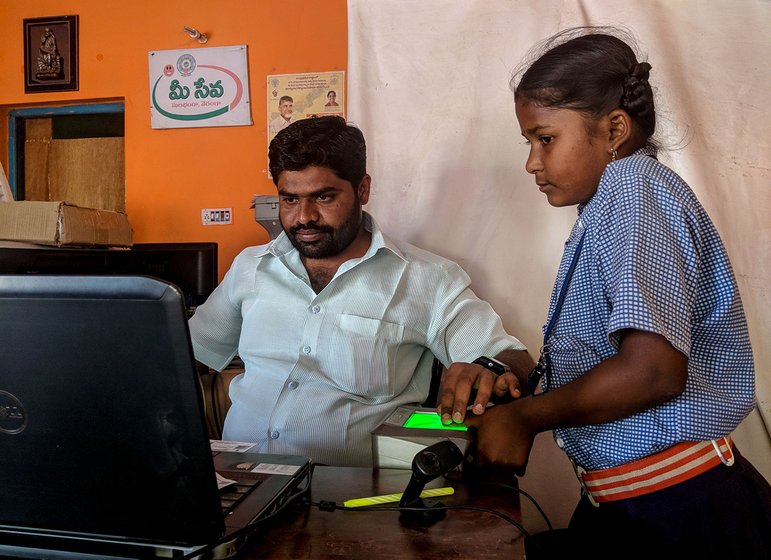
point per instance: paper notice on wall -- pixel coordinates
(199, 87)
(293, 97)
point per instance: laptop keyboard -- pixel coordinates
(231, 495)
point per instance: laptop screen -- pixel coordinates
(101, 427)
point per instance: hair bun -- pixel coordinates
(637, 90)
(640, 71)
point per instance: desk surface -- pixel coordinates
(306, 532)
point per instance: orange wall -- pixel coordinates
(172, 174)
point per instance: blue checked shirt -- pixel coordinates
(651, 261)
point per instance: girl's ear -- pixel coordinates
(620, 129)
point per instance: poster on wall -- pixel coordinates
(293, 97)
(201, 87)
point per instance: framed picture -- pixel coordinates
(51, 54)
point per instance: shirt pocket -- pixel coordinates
(367, 350)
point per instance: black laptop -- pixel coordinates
(103, 442)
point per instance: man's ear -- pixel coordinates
(363, 189)
(619, 129)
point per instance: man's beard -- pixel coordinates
(333, 240)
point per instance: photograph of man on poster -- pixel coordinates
(285, 117)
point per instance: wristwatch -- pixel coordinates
(492, 364)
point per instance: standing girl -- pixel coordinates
(647, 362)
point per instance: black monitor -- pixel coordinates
(192, 267)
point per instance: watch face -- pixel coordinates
(492, 364)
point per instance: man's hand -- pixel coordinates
(458, 382)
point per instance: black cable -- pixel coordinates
(331, 506)
(526, 495)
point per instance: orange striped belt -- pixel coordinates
(655, 472)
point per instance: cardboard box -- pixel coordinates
(60, 223)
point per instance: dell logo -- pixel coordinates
(13, 419)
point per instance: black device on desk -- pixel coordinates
(192, 267)
(430, 463)
(103, 441)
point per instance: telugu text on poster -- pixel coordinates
(199, 87)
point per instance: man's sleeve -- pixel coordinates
(463, 326)
(215, 327)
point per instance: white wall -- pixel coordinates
(428, 85)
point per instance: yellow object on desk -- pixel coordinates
(390, 498)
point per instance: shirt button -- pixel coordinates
(306, 349)
(274, 434)
(315, 309)
(560, 442)
(293, 385)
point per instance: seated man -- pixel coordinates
(336, 323)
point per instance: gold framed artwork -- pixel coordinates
(51, 54)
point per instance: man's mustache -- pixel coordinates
(311, 226)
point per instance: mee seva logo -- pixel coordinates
(13, 419)
(199, 92)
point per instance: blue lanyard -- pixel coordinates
(543, 361)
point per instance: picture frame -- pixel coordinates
(51, 54)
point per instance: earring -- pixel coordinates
(613, 154)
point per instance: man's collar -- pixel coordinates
(379, 240)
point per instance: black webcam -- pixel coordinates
(428, 464)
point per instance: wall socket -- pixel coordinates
(216, 216)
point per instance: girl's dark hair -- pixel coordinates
(592, 71)
(323, 141)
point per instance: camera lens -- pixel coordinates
(430, 462)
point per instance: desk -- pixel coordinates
(306, 532)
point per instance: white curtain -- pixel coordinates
(428, 85)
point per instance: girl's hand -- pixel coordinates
(504, 439)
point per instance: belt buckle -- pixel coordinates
(716, 443)
(580, 471)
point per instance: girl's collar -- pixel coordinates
(647, 150)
